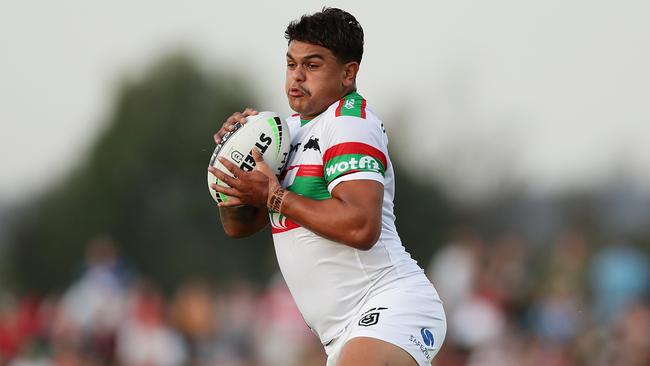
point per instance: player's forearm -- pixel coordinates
(334, 219)
(242, 221)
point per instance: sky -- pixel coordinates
(554, 94)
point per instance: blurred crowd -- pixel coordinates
(110, 316)
(568, 302)
(508, 302)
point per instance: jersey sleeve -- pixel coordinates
(354, 148)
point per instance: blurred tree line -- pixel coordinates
(143, 183)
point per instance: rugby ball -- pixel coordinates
(266, 131)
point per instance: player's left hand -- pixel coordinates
(247, 188)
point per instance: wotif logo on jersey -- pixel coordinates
(349, 157)
(365, 163)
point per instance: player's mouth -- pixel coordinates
(297, 92)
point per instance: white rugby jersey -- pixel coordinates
(329, 281)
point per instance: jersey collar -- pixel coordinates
(353, 98)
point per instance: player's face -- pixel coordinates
(315, 78)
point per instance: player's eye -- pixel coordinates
(291, 65)
(312, 66)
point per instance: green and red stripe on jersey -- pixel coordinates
(352, 157)
(309, 181)
(352, 105)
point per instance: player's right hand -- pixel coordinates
(229, 125)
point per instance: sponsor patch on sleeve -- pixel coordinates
(352, 157)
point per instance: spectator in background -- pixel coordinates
(632, 335)
(96, 298)
(453, 268)
(487, 321)
(236, 316)
(620, 276)
(145, 338)
(19, 321)
(283, 334)
(93, 306)
(557, 314)
(507, 276)
(193, 313)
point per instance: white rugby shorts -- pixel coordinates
(411, 318)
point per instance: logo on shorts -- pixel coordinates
(427, 337)
(370, 317)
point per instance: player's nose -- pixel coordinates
(297, 74)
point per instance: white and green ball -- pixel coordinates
(266, 131)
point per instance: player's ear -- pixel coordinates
(350, 71)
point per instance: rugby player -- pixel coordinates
(331, 211)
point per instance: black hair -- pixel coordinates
(332, 28)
